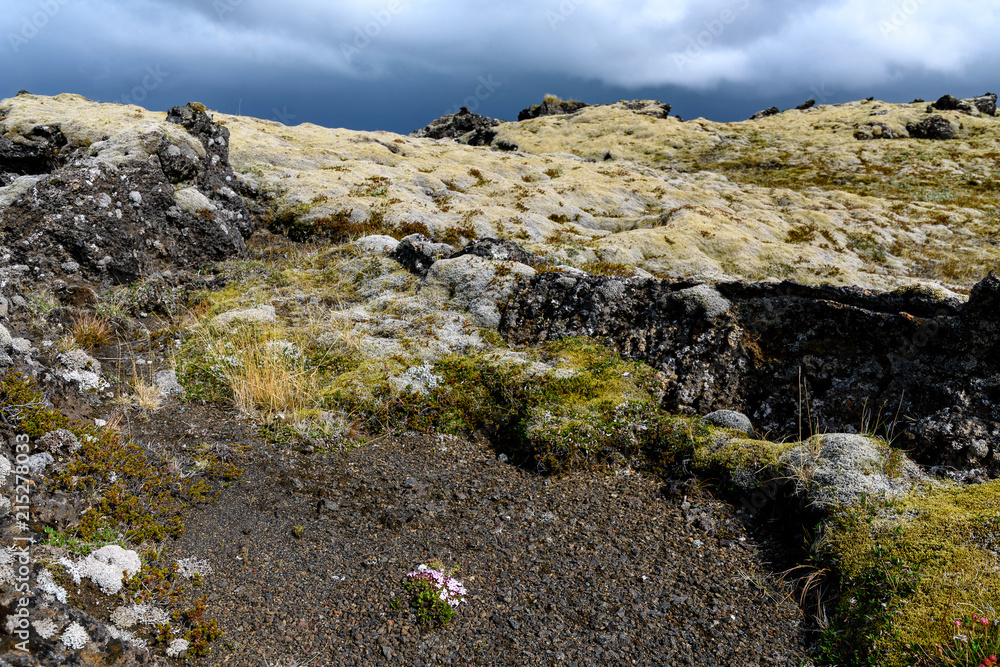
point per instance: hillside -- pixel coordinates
(638, 378)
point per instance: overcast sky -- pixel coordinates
(397, 64)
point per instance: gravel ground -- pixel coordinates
(584, 569)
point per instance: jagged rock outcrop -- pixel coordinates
(551, 106)
(464, 126)
(773, 111)
(829, 358)
(973, 106)
(122, 207)
(808, 104)
(932, 127)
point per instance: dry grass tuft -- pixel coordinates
(265, 377)
(91, 331)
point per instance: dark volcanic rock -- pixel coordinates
(922, 370)
(499, 250)
(36, 153)
(932, 127)
(464, 126)
(773, 111)
(808, 104)
(551, 106)
(986, 103)
(417, 253)
(123, 207)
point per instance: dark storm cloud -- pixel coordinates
(389, 61)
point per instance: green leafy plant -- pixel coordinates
(434, 593)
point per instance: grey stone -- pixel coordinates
(166, 381)
(730, 419)
(22, 345)
(474, 284)
(377, 243)
(841, 468)
(706, 299)
(6, 340)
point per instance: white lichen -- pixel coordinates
(106, 567)
(177, 648)
(189, 567)
(48, 585)
(75, 637)
(138, 614)
(45, 627)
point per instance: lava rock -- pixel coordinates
(932, 127)
(110, 215)
(498, 250)
(36, 153)
(808, 104)
(417, 253)
(972, 106)
(653, 108)
(986, 103)
(551, 106)
(905, 356)
(464, 126)
(773, 111)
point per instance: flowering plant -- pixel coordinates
(435, 594)
(976, 643)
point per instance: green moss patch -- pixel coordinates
(910, 569)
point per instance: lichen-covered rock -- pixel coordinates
(166, 381)
(464, 126)
(259, 314)
(109, 211)
(730, 419)
(377, 243)
(875, 130)
(772, 111)
(498, 250)
(474, 284)
(840, 468)
(839, 359)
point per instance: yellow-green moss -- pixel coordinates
(737, 455)
(933, 555)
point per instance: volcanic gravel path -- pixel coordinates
(584, 569)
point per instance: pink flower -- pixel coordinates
(958, 624)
